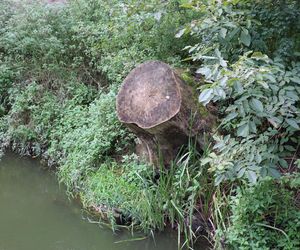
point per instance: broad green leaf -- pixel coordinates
(220, 167)
(205, 96)
(241, 110)
(219, 145)
(296, 79)
(257, 105)
(252, 176)
(293, 95)
(258, 158)
(205, 161)
(248, 21)
(218, 53)
(293, 123)
(289, 148)
(246, 106)
(274, 173)
(220, 92)
(238, 87)
(264, 84)
(241, 173)
(243, 130)
(219, 179)
(263, 171)
(252, 127)
(223, 81)
(231, 116)
(283, 163)
(222, 62)
(186, 4)
(253, 167)
(275, 121)
(232, 33)
(245, 37)
(260, 56)
(270, 77)
(204, 71)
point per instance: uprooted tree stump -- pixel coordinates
(161, 110)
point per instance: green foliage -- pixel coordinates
(235, 27)
(61, 66)
(261, 117)
(185, 194)
(181, 195)
(257, 97)
(6, 78)
(265, 217)
(86, 136)
(35, 40)
(131, 32)
(123, 188)
(51, 42)
(55, 58)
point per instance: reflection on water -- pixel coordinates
(35, 214)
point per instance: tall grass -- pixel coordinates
(182, 196)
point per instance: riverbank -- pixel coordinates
(61, 68)
(65, 111)
(37, 214)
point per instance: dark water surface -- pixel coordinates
(35, 214)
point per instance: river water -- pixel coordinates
(35, 214)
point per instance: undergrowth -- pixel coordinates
(266, 216)
(60, 70)
(182, 196)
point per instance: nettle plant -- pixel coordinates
(260, 100)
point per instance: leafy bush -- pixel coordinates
(57, 50)
(247, 58)
(6, 79)
(236, 27)
(86, 136)
(262, 117)
(265, 216)
(257, 97)
(131, 32)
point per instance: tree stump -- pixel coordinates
(161, 110)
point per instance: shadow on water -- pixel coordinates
(35, 214)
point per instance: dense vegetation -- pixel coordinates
(61, 67)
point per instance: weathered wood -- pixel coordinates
(161, 110)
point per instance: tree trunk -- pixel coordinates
(162, 111)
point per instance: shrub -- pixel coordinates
(257, 97)
(261, 117)
(86, 136)
(6, 79)
(236, 27)
(119, 38)
(265, 216)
